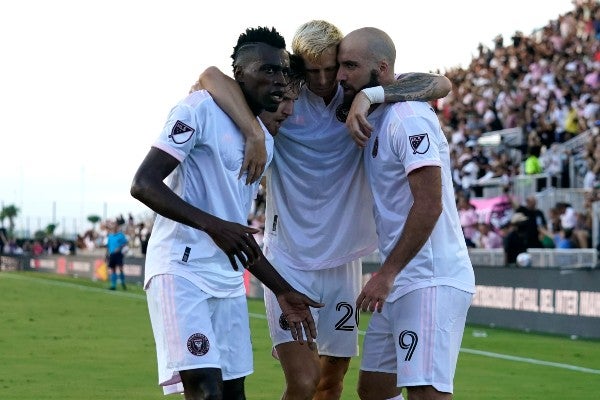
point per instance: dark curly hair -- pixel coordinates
(297, 72)
(257, 35)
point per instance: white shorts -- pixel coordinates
(194, 330)
(337, 288)
(418, 337)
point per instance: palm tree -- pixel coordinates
(50, 228)
(94, 219)
(11, 211)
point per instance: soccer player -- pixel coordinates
(424, 287)
(195, 290)
(318, 208)
(273, 120)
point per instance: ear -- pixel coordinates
(238, 73)
(384, 67)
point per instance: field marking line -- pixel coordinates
(263, 316)
(530, 361)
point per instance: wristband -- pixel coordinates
(375, 94)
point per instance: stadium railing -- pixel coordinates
(563, 258)
(540, 258)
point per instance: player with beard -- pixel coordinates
(424, 287)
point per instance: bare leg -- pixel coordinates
(234, 389)
(331, 384)
(426, 393)
(377, 386)
(202, 384)
(301, 368)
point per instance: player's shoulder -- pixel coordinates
(199, 98)
(407, 109)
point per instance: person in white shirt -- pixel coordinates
(195, 289)
(318, 209)
(425, 284)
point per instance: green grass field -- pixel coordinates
(65, 338)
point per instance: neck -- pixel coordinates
(254, 106)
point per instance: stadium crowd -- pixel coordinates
(545, 84)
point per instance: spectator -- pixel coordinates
(515, 241)
(568, 217)
(143, 234)
(535, 220)
(468, 219)
(488, 237)
(566, 239)
(532, 162)
(36, 248)
(3, 241)
(552, 163)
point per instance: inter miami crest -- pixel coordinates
(181, 132)
(419, 143)
(283, 323)
(198, 344)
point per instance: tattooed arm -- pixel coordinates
(410, 86)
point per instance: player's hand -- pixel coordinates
(359, 128)
(255, 158)
(235, 240)
(295, 307)
(375, 292)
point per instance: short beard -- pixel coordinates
(343, 110)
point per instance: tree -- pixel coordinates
(94, 219)
(50, 228)
(11, 211)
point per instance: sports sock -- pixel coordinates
(113, 279)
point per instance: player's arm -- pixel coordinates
(426, 187)
(227, 94)
(295, 305)
(415, 86)
(148, 186)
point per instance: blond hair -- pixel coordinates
(314, 37)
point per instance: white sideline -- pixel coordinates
(262, 316)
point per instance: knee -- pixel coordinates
(302, 386)
(331, 383)
(330, 388)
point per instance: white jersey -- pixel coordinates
(408, 136)
(318, 206)
(210, 148)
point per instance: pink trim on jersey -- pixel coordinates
(421, 164)
(428, 325)
(168, 150)
(170, 311)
